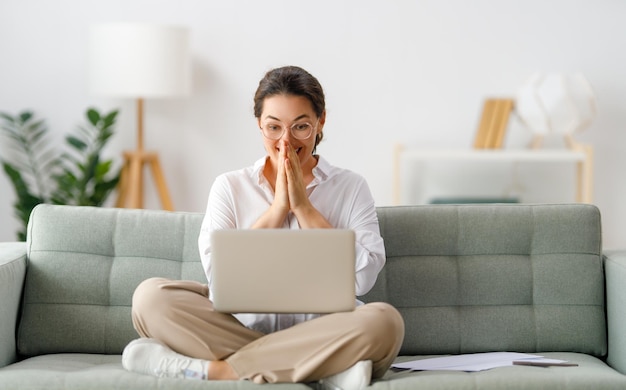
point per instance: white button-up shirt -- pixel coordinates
(237, 199)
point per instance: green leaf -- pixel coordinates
(92, 163)
(27, 134)
(37, 135)
(49, 160)
(32, 127)
(25, 116)
(17, 137)
(109, 119)
(76, 143)
(93, 116)
(7, 117)
(25, 202)
(86, 131)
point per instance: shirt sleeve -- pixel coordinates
(370, 248)
(219, 215)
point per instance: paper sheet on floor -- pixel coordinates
(471, 362)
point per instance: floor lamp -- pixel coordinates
(139, 61)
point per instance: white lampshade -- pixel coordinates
(556, 103)
(139, 60)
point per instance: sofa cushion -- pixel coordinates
(84, 265)
(72, 371)
(591, 373)
(92, 371)
(479, 278)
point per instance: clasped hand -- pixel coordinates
(290, 190)
(290, 195)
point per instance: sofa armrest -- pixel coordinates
(12, 273)
(615, 271)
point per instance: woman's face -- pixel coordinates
(287, 111)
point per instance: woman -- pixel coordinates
(290, 188)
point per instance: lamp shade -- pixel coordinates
(139, 60)
(556, 102)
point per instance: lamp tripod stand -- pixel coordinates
(130, 190)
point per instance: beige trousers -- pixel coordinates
(180, 314)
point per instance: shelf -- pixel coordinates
(500, 155)
(581, 155)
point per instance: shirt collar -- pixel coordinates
(322, 170)
(257, 170)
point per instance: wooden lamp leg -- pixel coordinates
(122, 187)
(159, 178)
(135, 190)
(130, 189)
(131, 181)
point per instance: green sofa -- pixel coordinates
(466, 278)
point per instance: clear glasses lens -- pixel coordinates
(298, 130)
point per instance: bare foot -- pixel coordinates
(221, 370)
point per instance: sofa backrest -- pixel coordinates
(84, 265)
(465, 278)
(477, 278)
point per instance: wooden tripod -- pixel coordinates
(130, 189)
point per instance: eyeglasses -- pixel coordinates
(275, 131)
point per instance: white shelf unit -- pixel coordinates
(580, 155)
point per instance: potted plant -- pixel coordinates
(40, 173)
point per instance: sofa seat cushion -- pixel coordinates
(591, 373)
(82, 371)
(93, 371)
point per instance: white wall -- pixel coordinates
(394, 71)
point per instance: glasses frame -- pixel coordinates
(284, 128)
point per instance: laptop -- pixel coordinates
(283, 270)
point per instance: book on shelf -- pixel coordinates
(493, 123)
